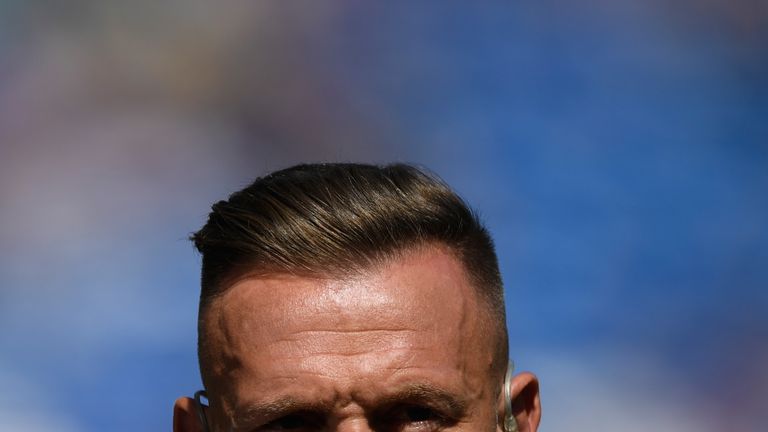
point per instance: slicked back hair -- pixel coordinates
(329, 220)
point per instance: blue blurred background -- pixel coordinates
(618, 151)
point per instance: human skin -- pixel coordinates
(404, 347)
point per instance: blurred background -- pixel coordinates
(618, 151)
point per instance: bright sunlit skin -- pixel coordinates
(405, 347)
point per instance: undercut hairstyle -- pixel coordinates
(330, 220)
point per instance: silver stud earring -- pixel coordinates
(510, 424)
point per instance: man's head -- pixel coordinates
(351, 297)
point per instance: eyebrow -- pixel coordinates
(262, 412)
(447, 402)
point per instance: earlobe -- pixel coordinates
(525, 406)
(185, 416)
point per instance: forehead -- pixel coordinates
(415, 318)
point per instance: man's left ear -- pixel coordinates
(185, 416)
(525, 406)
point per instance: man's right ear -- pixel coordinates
(185, 416)
(523, 403)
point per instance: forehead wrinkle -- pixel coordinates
(346, 331)
(361, 338)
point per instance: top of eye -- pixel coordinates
(293, 422)
(419, 414)
(414, 418)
